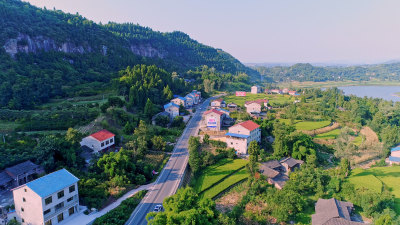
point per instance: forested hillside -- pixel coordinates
(48, 53)
(308, 72)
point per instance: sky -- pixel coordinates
(264, 31)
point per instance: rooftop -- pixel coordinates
(249, 125)
(52, 182)
(213, 111)
(218, 100)
(272, 164)
(394, 159)
(237, 135)
(102, 135)
(267, 171)
(21, 168)
(171, 104)
(291, 162)
(395, 149)
(332, 211)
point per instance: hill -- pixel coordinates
(48, 53)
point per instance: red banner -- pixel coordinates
(241, 93)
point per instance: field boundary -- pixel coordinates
(221, 180)
(229, 188)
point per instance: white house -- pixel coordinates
(190, 100)
(218, 103)
(241, 134)
(213, 119)
(99, 141)
(172, 109)
(255, 89)
(180, 101)
(48, 200)
(256, 106)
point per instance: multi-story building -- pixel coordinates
(241, 134)
(48, 200)
(255, 89)
(218, 103)
(172, 109)
(213, 119)
(255, 107)
(99, 141)
(189, 100)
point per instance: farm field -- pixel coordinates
(375, 178)
(226, 183)
(7, 126)
(215, 173)
(273, 99)
(307, 125)
(329, 135)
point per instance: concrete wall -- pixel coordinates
(239, 144)
(95, 144)
(239, 130)
(33, 211)
(216, 117)
(253, 107)
(395, 154)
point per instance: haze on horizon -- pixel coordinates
(258, 31)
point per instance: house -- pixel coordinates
(189, 101)
(180, 101)
(293, 93)
(255, 89)
(218, 103)
(240, 135)
(48, 200)
(172, 109)
(277, 172)
(197, 96)
(255, 107)
(332, 212)
(276, 91)
(285, 91)
(224, 111)
(213, 119)
(99, 141)
(19, 174)
(394, 157)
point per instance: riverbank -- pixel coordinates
(328, 84)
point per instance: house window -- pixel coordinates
(71, 210)
(112, 140)
(60, 194)
(102, 144)
(23, 220)
(70, 199)
(25, 189)
(22, 209)
(48, 200)
(47, 211)
(60, 217)
(72, 188)
(48, 222)
(107, 142)
(23, 199)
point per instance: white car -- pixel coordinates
(158, 208)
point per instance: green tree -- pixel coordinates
(194, 155)
(148, 109)
(206, 138)
(254, 152)
(158, 143)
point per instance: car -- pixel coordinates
(158, 208)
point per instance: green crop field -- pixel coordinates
(7, 126)
(329, 135)
(374, 178)
(229, 181)
(358, 140)
(273, 99)
(307, 125)
(215, 173)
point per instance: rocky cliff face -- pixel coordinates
(27, 44)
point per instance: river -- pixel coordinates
(384, 92)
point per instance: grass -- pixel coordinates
(374, 178)
(226, 183)
(329, 135)
(273, 98)
(358, 140)
(307, 125)
(215, 173)
(7, 126)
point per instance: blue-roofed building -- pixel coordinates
(47, 200)
(180, 101)
(172, 109)
(240, 135)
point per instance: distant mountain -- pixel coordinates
(52, 53)
(308, 72)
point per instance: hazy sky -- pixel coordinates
(358, 31)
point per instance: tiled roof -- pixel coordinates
(218, 100)
(328, 209)
(102, 135)
(267, 171)
(258, 101)
(272, 164)
(213, 111)
(21, 168)
(4, 178)
(223, 110)
(291, 162)
(52, 183)
(237, 135)
(249, 125)
(171, 104)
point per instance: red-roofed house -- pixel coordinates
(256, 106)
(241, 134)
(99, 141)
(213, 119)
(218, 103)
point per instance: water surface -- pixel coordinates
(384, 92)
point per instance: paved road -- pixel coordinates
(172, 174)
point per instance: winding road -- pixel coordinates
(171, 176)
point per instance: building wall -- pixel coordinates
(395, 154)
(239, 130)
(179, 102)
(67, 205)
(216, 117)
(215, 104)
(33, 211)
(173, 111)
(255, 90)
(239, 144)
(255, 135)
(95, 144)
(253, 107)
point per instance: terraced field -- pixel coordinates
(226, 183)
(307, 125)
(329, 135)
(215, 173)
